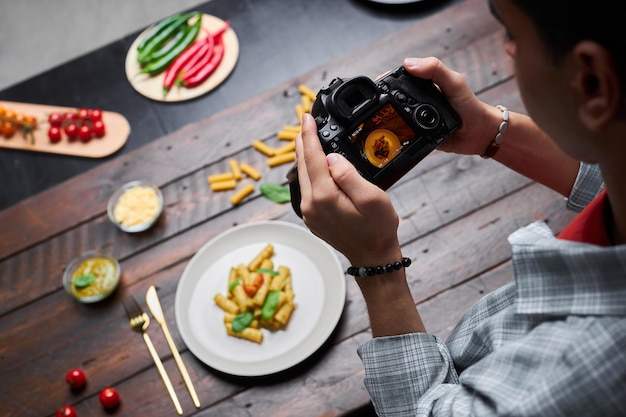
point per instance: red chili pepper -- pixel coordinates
(181, 61)
(203, 55)
(193, 79)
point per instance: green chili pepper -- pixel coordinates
(270, 304)
(171, 44)
(241, 321)
(161, 37)
(160, 26)
(158, 66)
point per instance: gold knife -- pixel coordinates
(152, 299)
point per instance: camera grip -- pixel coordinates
(294, 189)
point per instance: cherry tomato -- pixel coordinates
(8, 129)
(71, 131)
(84, 133)
(54, 134)
(69, 116)
(76, 378)
(96, 114)
(109, 397)
(82, 114)
(66, 411)
(98, 128)
(55, 119)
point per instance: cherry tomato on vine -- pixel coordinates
(69, 116)
(54, 134)
(95, 114)
(8, 129)
(71, 131)
(98, 128)
(76, 378)
(109, 397)
(55, 119)
(82, 114)
(84, 133)
(66, 411)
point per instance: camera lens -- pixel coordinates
(427, 116)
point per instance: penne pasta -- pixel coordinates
(307, 91)
(250, 171)
(287, 134)
(266, 253)
(290, 147)
(241, 194)
(234, 168)
(284, 313)
(281, 159)
(223, 185)
(224, 176)
(253, 335)
(225, 304)
(263, 148)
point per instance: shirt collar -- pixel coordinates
(559, 277)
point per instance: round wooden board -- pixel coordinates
(152, 87)
(116, 133)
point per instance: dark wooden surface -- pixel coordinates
(456, 212)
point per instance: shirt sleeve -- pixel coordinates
(588, 184)
(399, 370)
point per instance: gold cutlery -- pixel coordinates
(152, 299)
(139, 321)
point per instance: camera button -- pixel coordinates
(334, 127)
(325, 133)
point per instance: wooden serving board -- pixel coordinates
(152, 86)
(116, 133)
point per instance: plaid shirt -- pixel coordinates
(553, 343)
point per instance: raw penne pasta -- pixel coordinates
(307, 91)
(290, 147)
(249, 171)
(281, 159)
(220, 177)
(241, 194)
(253, 335)
(291, 128)
(299, 111)
(287, 135)
(306, 103)
(234, 168)
(263, 148)
(223, 185)
(225, 304)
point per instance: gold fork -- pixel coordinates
(139, 321)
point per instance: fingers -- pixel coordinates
(451, 83)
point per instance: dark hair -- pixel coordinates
(563, 23)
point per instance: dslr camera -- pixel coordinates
(383, 127)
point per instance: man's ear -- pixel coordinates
(597, 84)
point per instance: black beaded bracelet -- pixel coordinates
(368, 271)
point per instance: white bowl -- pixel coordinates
(135, 206)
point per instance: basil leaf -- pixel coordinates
(267, 271)
(84, 281)
(234, 284)
(270, 304)
(276, 192)
(241, 321)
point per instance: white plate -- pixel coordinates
(318, 283)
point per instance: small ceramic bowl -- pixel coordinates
(135, 206)
(92, 276)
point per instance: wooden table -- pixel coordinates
(456, 212)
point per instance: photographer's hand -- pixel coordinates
(525, 148)
(357, 218)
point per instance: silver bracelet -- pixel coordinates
(368, 271)
(494, 146)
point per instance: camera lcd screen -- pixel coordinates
(381, 138)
